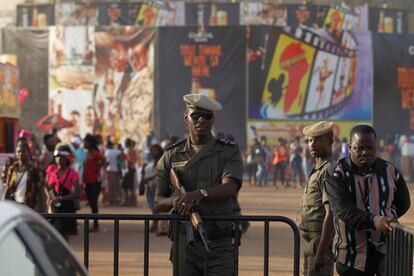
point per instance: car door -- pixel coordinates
(31, 248)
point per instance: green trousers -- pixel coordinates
(309, 256)
(193, 259)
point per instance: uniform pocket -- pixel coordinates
(312, 246)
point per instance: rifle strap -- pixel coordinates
(199, 154)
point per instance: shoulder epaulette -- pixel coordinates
(175, 144)
(226, 142)
(332, 167)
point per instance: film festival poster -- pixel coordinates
(287, 78)
(306, 75)
(261, 41)
(9, 91)
(346, 18)
(205, 60)
(334, 19)
(160, 13)
(124, 83)
(256, 13)
(71, 78)
(113, 14)
(38, 15)
(274, 130)
(393, 84)
(133, 11)
(304, 15)
(388, 21)
(212, 14)
(77, 14)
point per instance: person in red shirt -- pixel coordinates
(63, 188)
(91, 176)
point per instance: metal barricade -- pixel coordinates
(399, 258)
(116, 218)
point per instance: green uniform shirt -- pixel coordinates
(220, 161)
(314, 198)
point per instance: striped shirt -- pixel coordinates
(358, 202)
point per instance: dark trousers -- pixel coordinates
(193, 260)
(375, 265)
(279, 170)
(92, 192)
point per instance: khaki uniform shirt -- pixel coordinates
(314, 198)
(222, 160)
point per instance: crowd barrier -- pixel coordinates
(116, 218)
(400, 246)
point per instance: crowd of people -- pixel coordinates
(55, 176)
(351, 195)
(289, 163)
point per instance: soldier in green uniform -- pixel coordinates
(317, 219)
(210, 170)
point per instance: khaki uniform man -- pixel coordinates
(210, 170)
(317, 221)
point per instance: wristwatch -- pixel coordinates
(204, 193)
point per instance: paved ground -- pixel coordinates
(254, 201)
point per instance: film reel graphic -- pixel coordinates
(312, 74)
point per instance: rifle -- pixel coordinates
(195, 218)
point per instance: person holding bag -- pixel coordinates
(63, 188)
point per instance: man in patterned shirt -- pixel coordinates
(366, 194)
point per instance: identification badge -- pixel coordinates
(178, 164)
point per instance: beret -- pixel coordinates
(201, 101)
(318, 129)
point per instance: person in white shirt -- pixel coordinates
(113, 173)
(148, 173)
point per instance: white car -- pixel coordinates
(29, 245)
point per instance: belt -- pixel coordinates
(310, 235)
(219, 235)
(212, 235)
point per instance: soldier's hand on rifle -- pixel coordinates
(184, 203)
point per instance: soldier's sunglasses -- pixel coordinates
(195, 116)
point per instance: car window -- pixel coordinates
(16, 258)
(60, 258)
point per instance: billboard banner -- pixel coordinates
(9, 91)
(309, 74)
(77, 14)
(257, 13)
(393, 84)
(124, 83)
(71, 77)
(210, 61)
(388, 21)
(31, 49)
(159, 13)
(212, 14)
(40, 15)
(113, 14)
